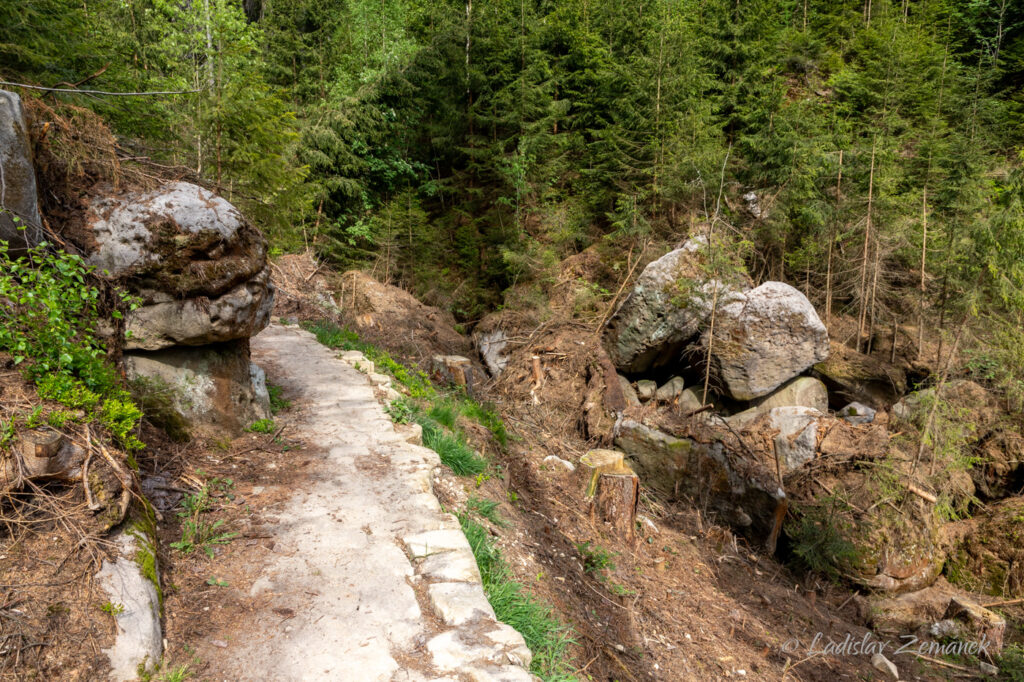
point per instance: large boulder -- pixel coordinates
(20, 224)
(199, 267)
(745, 494)
(852, 376)
(763, 338)
(801, 392)
(667, 307)
(210, 390)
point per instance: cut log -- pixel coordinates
(611, 489)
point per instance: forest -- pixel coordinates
(869, 151)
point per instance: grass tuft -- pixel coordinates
(547, 638)
(486, 509)
(453, 451)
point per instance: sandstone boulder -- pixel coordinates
(666, 308)
(852, 376)
(20, 224)
(744, 494)
(199, 267)
(796, 442)
(801, 392)
(645, 389)
(764, 338)
(212, 389)
(628, 392)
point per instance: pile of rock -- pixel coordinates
(200, 271)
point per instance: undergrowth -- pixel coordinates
(48, 323)
(546, 637)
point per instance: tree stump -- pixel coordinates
(611, 489)
(39, 451)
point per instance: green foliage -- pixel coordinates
(277, 401)
(1011, 663)
(49, 327)
(197, 531)
(452, 448)
(534, 620)
(487, 509)
(595, 558)
(261, 426)
(443, 413)
(821, 538)
(113, 609)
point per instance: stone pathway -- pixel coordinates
(382, 583)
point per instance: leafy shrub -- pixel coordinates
(262, 426)
(48, 320)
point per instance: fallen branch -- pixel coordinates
(923, 494)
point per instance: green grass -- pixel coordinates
(277, 402)
(547, 638)
(444, 413)
(454, 452)
(486, 509)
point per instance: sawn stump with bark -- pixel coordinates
(611, 490)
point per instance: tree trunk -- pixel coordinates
(862, 317)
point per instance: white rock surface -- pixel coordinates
(459, 603)
(138, 639)
(342, 547)
(764, 338)
(797, 440)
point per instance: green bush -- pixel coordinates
(262, 426)
(48, 324)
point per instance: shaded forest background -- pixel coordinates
(868, 152)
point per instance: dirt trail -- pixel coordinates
(368, 579)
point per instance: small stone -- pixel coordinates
(380, 379)
(557, 461)
(884, 665)
(670, 390)
(219, 643)
(459, 603)
(857, 413)
(517, 651)
(988, 668)
(645, 389)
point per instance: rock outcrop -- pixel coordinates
(666, 309)
(20, 224)
(763, 338)
(200, 271)
(211, 388)
(199, 267)
(745, 494)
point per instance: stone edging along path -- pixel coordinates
(382, 581)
